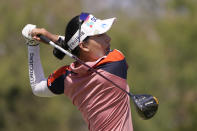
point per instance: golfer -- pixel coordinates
(103, 106)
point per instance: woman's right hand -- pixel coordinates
(41, 31)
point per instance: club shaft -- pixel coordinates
(43, 38)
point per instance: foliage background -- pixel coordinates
(158, 40)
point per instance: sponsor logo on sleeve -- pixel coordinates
(31, 67)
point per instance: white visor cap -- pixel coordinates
(90, 27)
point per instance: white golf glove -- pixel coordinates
(26, 32)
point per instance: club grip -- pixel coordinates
(44, 39)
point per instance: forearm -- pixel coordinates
(52, 37)
(41, 31)
(38, 81)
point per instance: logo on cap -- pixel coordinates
(74, 43)
(103, 25)
(90, 22)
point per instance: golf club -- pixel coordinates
(146, 105)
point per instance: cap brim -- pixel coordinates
(102, 26)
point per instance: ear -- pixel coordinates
(84, 47)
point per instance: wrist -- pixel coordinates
(55, 38)
(52, 37)
(32, 42)
(37, 44)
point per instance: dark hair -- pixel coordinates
(70, 30)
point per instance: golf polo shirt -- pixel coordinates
(104, 107)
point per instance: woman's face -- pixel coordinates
(98, 46)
